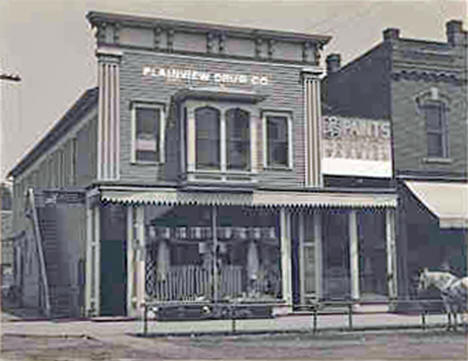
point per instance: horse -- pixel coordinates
(453, 290)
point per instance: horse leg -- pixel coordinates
(449, 319)
(455, 321)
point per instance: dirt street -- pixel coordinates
(418, 345)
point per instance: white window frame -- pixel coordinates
(288, 116)
(223, 107)
(162, 126)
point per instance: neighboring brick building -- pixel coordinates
(194, 172)
(421, 87)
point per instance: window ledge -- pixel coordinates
(278, 169)
(143, 163)
(437, 160)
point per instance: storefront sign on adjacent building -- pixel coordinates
(356, 147)
(174, 74)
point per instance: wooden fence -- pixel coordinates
(189, 282)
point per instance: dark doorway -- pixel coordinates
(113, 278)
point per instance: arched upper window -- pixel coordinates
(433, 105)
(237, 139)
(207, 126)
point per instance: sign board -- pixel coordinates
(356, 147)
(175, 74)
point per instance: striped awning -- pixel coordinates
(448, 201)
(258, 198)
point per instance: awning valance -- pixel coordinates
(257, 198)
(448, 201)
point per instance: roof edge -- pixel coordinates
(72, 115)
(95, 17)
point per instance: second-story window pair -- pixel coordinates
(212, 131)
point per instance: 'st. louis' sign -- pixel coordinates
(175, 74)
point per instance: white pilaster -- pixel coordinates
(253, 143)
(354, 254)
(109, 115)
(302, 279)
(312, 123)
(191, 140)
(89, 283)
(285, 239)
(317, 219)
(222, 137)
(214, 222)
(391, 252)
(131, 309)
(93, 268)
(141, 252)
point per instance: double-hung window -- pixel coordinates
(207, 127)
(222, 139)
(436, 129)
(277, 140)
(148, 130)
(237, 139)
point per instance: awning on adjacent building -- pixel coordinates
(258, 198)
(446, 200)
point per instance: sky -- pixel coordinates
(50, 44)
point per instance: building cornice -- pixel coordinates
(100, 18)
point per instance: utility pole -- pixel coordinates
(11, 78)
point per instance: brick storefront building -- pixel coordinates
(420, 86)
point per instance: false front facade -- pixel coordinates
(196, 172)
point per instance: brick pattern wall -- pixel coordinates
(417, 68)
(361, 88)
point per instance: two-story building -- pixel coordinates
(194, 171)
(421, 87)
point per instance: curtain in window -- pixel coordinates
(147, 134)
(277, 141)
(207, 138)
(238, 139)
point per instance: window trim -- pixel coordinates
(442, 132)
(193, 104)
(162, 126)
(277, 113)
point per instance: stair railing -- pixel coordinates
(38, 237)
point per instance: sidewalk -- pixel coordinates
(290, 323)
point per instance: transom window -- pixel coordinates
(148, 133)
(436, 129)
(277, 140)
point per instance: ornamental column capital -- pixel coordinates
(311, 73)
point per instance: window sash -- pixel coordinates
(147, 133)
(278, 143)
(207, 138)
(237, 139)
(436, 130)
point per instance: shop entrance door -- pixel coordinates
(113, 278)
(372, 256)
